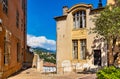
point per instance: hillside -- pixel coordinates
(47, 55)
(43, 50)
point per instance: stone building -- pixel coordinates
(29, 57)
(12, 36)
(77, 48)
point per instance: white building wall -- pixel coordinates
(49, 69)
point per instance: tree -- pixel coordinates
(108, 25)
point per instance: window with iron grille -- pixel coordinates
(17, 19)
(5, 6)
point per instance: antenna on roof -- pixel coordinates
(100, 4)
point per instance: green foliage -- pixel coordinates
(109, 73)
(108, 22)
(52, 60)
(48, 57)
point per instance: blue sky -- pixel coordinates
(40, 22)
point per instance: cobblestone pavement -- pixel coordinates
(34, 74)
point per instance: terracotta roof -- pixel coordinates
(48, 64)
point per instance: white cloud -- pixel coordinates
(41, 41)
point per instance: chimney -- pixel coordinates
(100, 4)
(65, 9)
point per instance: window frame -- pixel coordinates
(79, 19)
(83, 48)
(7, 47)
(17, 19)
(75, 49)
(18, 52)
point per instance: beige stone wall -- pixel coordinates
(65, 35)
(110, 2)
(90, 36)
(62, 43)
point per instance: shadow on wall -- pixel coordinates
(29, 58)
(99, 51)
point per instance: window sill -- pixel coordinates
(79, 60)
(6, 64)
(74, 29)
(82, 60)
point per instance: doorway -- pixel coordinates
(97, 57)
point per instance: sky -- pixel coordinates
(41, 26)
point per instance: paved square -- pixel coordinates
(32, 73)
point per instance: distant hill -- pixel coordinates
(43, 50)
(47, 55)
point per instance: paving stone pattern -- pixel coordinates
(34, 74)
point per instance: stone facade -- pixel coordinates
(12, 36)
(110, 2)
(77, 48)
(29, 58)
(37, 63)
(72, 38)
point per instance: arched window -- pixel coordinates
(79, 19)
